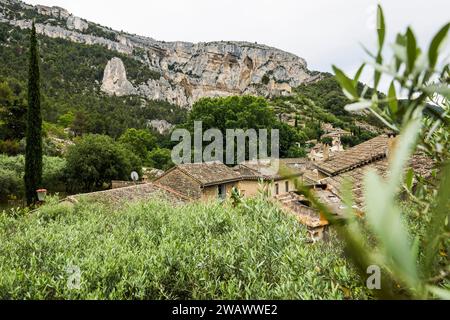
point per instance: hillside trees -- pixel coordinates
(72, 74)
(140, 142)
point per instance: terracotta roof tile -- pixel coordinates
(421, 165)
(210, 173)
(359, 155)
(134, 193)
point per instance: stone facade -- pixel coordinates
(212, 192)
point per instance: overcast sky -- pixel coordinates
(324, 32)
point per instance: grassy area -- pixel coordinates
(152, 250)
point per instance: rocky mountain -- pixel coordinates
(186, 71)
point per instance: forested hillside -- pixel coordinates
(71, 79)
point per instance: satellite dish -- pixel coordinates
(134, 176)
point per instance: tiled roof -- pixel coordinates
(134, 193)
(421, 165)
(261, 169)
(356, 176)
(210, 173)
(357, 156)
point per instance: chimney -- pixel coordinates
(326, 152)
(316, 174)
(391, 146)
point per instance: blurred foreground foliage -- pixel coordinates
(405, 230)
(153, 250)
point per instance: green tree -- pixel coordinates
(33, 151)
(296, 152)
(139, 141)
(12, 114)
(160, 158)
(246, 112)
(79, 123)
(95, 160)
(66, 119)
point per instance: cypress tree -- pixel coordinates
(33, 151)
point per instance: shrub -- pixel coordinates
(153, 250)
(9, 147)
(95, 160)
(53, 176)
(160, 159)
(10, 184)
(296, 152)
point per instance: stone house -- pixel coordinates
(201, 181)
(258, 174)
(212, 180)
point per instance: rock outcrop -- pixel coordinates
(189, 71)
(77, 23)
(161, 126)
(115, 80)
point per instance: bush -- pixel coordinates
(95, 160)
(12, 170)
(296, 152)
(153, 250)
(16, 164)
(160, 159)
(53, 176)
(327, 140)
(9, 147)
(10, 184)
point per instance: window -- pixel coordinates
(277, 189)
(287, 186)
(221, 191)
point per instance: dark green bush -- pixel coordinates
(95, 160)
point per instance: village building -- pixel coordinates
(214, 180)
(211, 181)
(353, 163)
(322, 151)
(201, 181)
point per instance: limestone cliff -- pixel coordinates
(189, 71)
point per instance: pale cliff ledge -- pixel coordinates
(189, 71)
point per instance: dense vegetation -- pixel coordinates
(244, 113)
(153, 250)
(312, 105)
(12, 171)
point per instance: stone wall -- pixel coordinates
(211, 193)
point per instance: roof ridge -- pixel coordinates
(355, 156)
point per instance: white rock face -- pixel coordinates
(188, 71)
(115, 80)
(161, 126)
(77, 23)
(56, 12)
